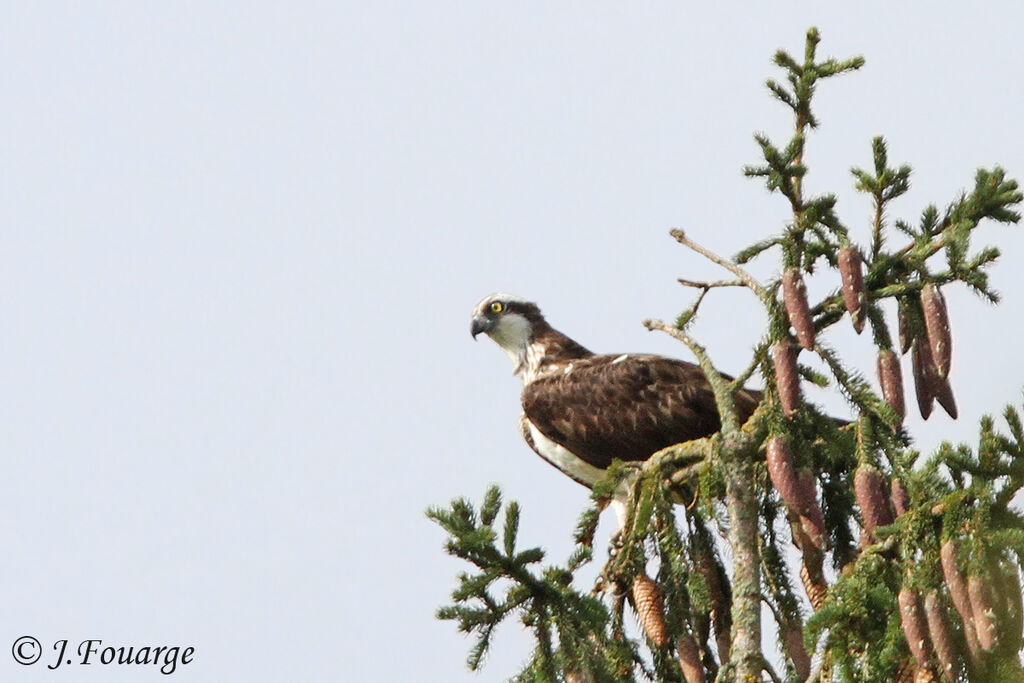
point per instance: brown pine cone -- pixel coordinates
(794, 637)
(936, 323)
(914, 628)
(794, 296)
(852, 272)
(811, 518)
(787, 378)
(689, 660)
(649, 610)
(900, 498)
(946, 650)
(890, 377)
(716, 582)
(924, 376)
(958, 591)
(983, 609)
(814, 526)
(906, 332)
(944, 395)
(781, 472)
(870, 491)
(814, 586)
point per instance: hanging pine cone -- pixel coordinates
(946, 650)
(814, 586)
(794, 636)
(906, 332)
(717, 584)
(787, 378)
(944, 395)
(958, 592)
(813, 524)
(870, 491)
(890, 377)
(649, 610)
(811, 518)
(924, 376)
(781, 471)
(852, 272)
(936, 323)
(689, 660)
(900, 498)
(914, 628)
(794, 296)
(983, 609)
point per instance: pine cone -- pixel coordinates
(924, 376)
(814, 526)
(713, 575)
(936, 323)
(815, 586)
(906, 332)
(689, 660)
(787, 379)
(914, 628)
(851, 270)
(811, 518)
(983, 609)
(944, 395)
(794, 636)
(900, 498)
(794, 296)
(958, 591)
(942, 639)
(870, 491)
(649, 611)
(890, 376)
(781, 472)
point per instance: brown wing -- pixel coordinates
(612, 407)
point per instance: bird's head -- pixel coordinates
(510, 321)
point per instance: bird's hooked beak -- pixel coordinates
(480, 324)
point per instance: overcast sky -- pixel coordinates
(239, 246)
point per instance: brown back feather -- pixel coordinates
(627, 409)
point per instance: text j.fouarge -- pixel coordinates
(93, 651)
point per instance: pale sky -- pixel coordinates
(240, 247)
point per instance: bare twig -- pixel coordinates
(747, 279)
(696, 284)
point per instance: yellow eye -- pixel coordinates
(497, 307)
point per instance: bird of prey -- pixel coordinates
(581, 409)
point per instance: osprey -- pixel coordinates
(581, 409)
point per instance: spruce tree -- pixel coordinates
(908, 564)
